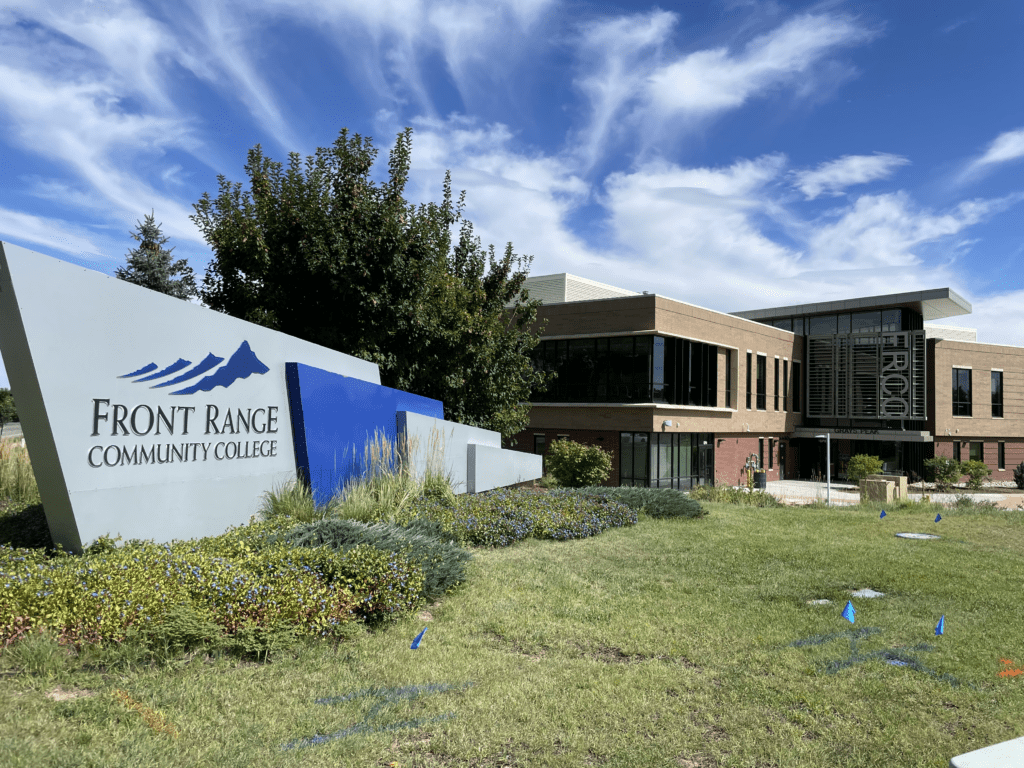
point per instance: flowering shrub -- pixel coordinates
(502, 517)
(237, 582)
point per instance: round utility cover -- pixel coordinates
(917, 536)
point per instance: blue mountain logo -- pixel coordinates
(241, 365)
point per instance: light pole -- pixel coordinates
(828, 467)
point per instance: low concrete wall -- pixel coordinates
(491, 467)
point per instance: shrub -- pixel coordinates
(443, 562)
(239, 581)
(943, 471)
(1018, 475)
(862, 465)
(576, 466)
(655, 502)
(725, 494)
(976, 472)
(502, 517)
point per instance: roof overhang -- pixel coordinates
(931, 305)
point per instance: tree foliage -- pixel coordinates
(152, 266)
(320, 251)
(8, 411)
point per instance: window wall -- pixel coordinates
(666, 459)
(629, 369)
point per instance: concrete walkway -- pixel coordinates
(806, 491)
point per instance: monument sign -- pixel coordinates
(151, 417)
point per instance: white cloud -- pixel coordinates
(52, 233)
(711, 81)
(834, 176)
(999, 318)
(1004, 148)
(513, 196)
(619, 54)
(631, 81)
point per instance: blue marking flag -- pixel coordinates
(940, 628)
(416, 642)
(881, 515)
(937, 518)
(848, 612)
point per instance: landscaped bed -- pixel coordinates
(673, 642)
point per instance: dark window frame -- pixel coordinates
(997, 394)
(1001, 455)
(760, 453)
(785, 385)
(776, 383)
(956, 450)
(771, 453)
(976, 447)
(750, 374)
(762, 382)
(962, 391)
(797, 387)
(728, 378)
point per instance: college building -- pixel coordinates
(681, 395)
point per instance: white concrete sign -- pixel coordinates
(150, 417)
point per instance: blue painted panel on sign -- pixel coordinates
(334, 416)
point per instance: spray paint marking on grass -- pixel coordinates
(371, 721)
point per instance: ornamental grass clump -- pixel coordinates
(17, 482)
(725, 494)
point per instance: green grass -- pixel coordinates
(663, 644)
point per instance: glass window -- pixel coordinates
(760, 453)
(821, 324)
(658, 371)
(844, 323)
(956, 450)
(797, 384)
(866, 322)
(540, 444)
(762, 382)
(1001, 455)
(748, 379)
(777, 393)
(771, 452)
(728, 378)
(641, 469)
(961, 392)
(977, 452)
(785, 385)
(891, 320)
(785, 323)
(997, 394)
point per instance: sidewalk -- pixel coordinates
(806, 491)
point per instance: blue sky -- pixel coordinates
(731, 154)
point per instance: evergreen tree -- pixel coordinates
(151, 265)
(320, 251)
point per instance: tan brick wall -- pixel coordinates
(657, 314)
(982, 359)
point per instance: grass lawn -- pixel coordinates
(670, 643)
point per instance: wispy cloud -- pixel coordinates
(59, 234)
(1005, 148)
(708, 82)
(836, 175)
(633, 80)
(617, 55)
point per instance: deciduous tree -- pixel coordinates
(321, 251)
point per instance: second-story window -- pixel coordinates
(961, 391)
(749, 379)
(777, 393)
(762, 382)
(997, 394)
(785, 385)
